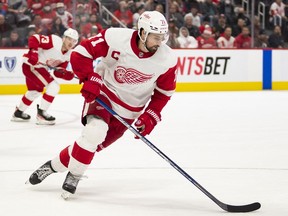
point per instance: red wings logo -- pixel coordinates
(130, 76)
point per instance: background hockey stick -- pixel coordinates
(226, 207)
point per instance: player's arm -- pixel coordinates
(61, 72)
(33, 44)
(37, 41)
(82, 63)
(165, 87)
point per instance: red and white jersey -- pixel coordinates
(49, 47)
(224, 42)
(130, 76)
(67, 19)
(277, 9)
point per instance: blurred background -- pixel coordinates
(193, 23)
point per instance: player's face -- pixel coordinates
(154, 41)
(69, 43)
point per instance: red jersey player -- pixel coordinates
(136, 78)
(44, 52)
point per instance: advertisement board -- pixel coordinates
(198, 70)
(219, 69)
(279, 70)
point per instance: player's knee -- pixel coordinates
(52, 88)
(32, 95)
(93, 134)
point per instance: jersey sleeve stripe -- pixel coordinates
(81, 50)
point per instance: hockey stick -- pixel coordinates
(50, 67)
(226, 207)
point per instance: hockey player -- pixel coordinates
(45, 52)
(137, 73)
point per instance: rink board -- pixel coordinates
(198, 70)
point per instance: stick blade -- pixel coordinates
(244, 208)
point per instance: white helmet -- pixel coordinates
(153, 22)
(71, 33)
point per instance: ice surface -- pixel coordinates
(235, 144)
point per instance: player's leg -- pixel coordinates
(34, 91)
(116, 130)
(83, 151)
(82, 156)
(96, 121)
(52, 89)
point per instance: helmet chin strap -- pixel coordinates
(145, 46)
(144, 42)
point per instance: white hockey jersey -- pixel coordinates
(49, 47)
(130, 76)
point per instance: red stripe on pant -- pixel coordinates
(82, 155)
(65, 157)
(26, 101)
(48, 98)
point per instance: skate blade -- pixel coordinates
(28, 182)
(43, 122)
(66, 195)
(15, 119)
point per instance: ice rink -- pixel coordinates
(235, 144)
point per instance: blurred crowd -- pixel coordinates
(198, 24)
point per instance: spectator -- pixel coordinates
(150, 5)
(261, 40)
(276, 40)
(86, 27)
(220, 26)
(77, 23)
(278, 16)
(196, 17)
(159, 8)
(84, 31)
(209, 9)
(94, 31)
(237, 29)
(17, 12)
(188, 23)
(47, 14)
(136, 15)
(226, 40)
(187, 5)
(35, 5)
(5, 28)
(14, 40)
(185, 40)
(66, 17)
(80, 11)
(30, 31)
(3, 9)
(243, 40)
(241, 15)
(176, 15)
(173, 28)
(172, 41)
(57, 27)
(226, 7)
(124, 15)
(277, 13)
(206, 39)
(37, 22)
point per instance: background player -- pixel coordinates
(45, 52)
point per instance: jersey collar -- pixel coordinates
(135, 48)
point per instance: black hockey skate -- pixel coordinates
(43, 118)
(41, 173)
(70, 184)
(20, 116)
